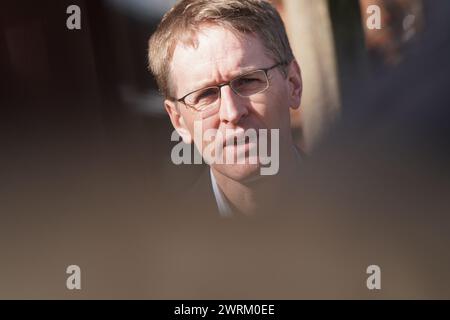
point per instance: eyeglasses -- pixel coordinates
(245, 85)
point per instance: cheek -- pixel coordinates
(199, 125)
(189, 123)
(211, 124)
(191, 120)
(270, 111)
(280, 108)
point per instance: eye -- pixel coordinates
(250, 84)
(204, 97)
(244, 81)
(208, 93)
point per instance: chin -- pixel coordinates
(239, 172)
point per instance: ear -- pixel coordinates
(178, 121)
(295, 82)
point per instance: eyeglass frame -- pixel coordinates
(228, 83)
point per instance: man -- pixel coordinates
(227, 66)
(374, 194)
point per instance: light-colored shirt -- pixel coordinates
(221, 201)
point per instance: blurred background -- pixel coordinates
(96, 77)
(71, 93)
(83, 132)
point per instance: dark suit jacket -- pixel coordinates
(200, 197)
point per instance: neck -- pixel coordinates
(250, 197)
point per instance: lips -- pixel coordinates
(238, 135)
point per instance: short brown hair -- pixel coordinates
(183, 21)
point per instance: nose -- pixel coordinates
(232, 107)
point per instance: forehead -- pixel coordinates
(218, 55)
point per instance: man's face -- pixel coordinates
(219, 57)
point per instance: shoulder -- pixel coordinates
(198, 201)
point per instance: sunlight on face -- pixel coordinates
(219, 57)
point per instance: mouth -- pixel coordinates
(241, 147)
(239, 139)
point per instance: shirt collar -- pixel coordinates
(221, 201)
